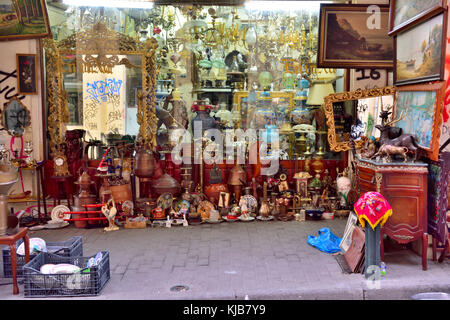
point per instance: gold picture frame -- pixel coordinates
(338, 146)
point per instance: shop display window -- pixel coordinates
(252, 65)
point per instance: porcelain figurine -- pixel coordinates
(109, 210)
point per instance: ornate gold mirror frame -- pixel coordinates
(91, 48)
(338, 146)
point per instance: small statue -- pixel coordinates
(371, 148)
(388, 151)
(315, 182)
(344, 186)
(109, 210)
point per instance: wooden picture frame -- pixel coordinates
(335, 144)
(431, 52)
(26, 19)
(345, 40)
(348, 231)
(414, 12)
(26, 73)
(423, 122)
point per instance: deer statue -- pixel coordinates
(402, 140)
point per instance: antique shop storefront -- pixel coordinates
(182, 113)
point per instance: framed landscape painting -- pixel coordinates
(403, 14)
(420, 52)
(419, 108)
(22, 19)
(354, 36)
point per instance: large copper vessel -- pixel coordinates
(144, 166)
(166, 184)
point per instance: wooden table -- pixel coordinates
(404, 185)
(11, 241)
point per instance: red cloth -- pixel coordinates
(374, 208)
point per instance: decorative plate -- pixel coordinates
(264, 218)
(204, 207)
(180, 204)
(52, 224)
(164, 201)
(246, 220)
(58, 213)
(229, 220)
(127, 207)
(250, 201)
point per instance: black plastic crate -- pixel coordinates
(89, 282)
(72, 247)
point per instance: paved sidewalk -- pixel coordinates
(264, 260)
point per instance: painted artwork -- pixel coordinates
(408, 9)
(354, 39)
(23, 19)
(418, 54)
(419, 107)
(26, 79)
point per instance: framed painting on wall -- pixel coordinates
(420, 52)
(404, 14)
(23, 19)
(354, 36)
(26, 73)
(418, 111)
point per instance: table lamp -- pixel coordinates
(320, 87)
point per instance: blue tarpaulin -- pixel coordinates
(325, 241)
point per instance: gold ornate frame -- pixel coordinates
(99, 41)
(346, 96)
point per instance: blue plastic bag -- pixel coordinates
(325, 241)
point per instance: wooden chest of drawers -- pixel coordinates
(404, 185)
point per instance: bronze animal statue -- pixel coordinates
(388, 151)
(404, 140)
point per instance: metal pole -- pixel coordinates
(372, 249)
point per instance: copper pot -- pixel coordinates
(121, 193)
(166, 184)
(84, 181)
(214, 190)
(144, 163)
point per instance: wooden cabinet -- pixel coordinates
(404, 185)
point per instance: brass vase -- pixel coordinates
(237, 178)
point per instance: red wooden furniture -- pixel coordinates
(404, 185)
(11, 242)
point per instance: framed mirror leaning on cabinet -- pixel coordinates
(353, 115)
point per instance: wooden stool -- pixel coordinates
(11, 241)
(64, 188)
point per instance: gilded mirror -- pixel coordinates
(354, 114)
(102, 81)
